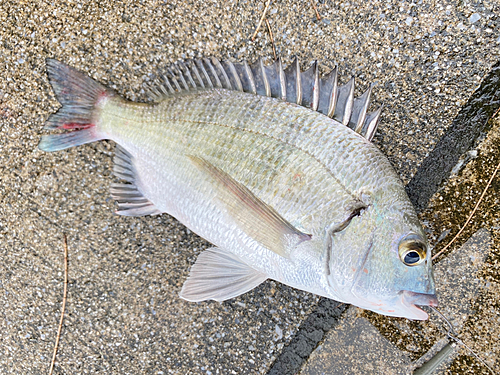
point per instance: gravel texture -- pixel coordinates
(123, 313)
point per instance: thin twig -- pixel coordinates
(261, 19)
(496, 113)
(454, 336)
(272, 38)
(63, 304)
(472, 213)
(318, 17)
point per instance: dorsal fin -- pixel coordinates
(290, 84)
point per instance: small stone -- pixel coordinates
(474, 18)
(279, 332)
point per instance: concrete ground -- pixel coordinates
(123, 312)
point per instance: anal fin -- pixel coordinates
(131, 202)
(219, 275)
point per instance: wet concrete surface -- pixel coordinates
(446, 213)
(465, 132)
(123, 312)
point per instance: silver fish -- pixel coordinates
(274, 167)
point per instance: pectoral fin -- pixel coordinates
(219, 275)
(254, 217)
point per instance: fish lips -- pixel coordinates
(411, 299)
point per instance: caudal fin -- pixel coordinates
(79, 95)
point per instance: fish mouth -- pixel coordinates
(411, 299)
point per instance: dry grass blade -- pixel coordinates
(272, 38)
(496, 112)
(471, 214)
(318, 17)
(261, 20)
(63, 305)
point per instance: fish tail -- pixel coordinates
(80, 97)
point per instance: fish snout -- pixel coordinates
(421, 299)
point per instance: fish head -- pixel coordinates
(382, 262)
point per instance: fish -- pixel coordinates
(273, 166)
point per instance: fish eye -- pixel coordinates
(412, 257)
(412, 250)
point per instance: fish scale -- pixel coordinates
(282, 190)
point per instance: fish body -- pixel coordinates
(282, 191)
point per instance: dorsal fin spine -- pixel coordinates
(364, 101)
(224, 79)
(298, 81)
(315, 90)
(345, 99)
(273, 78)
(265, 79)
(333, 95)
(250, 76)
(245, 77)
(204, 73)
(260, 72)
(282, 78)
(187, 72)
(372, 123)
(349, 103)
(234, 75)
(181, 77)
(214, 73)
(196, 73)
(167, 83)
(308, 78)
